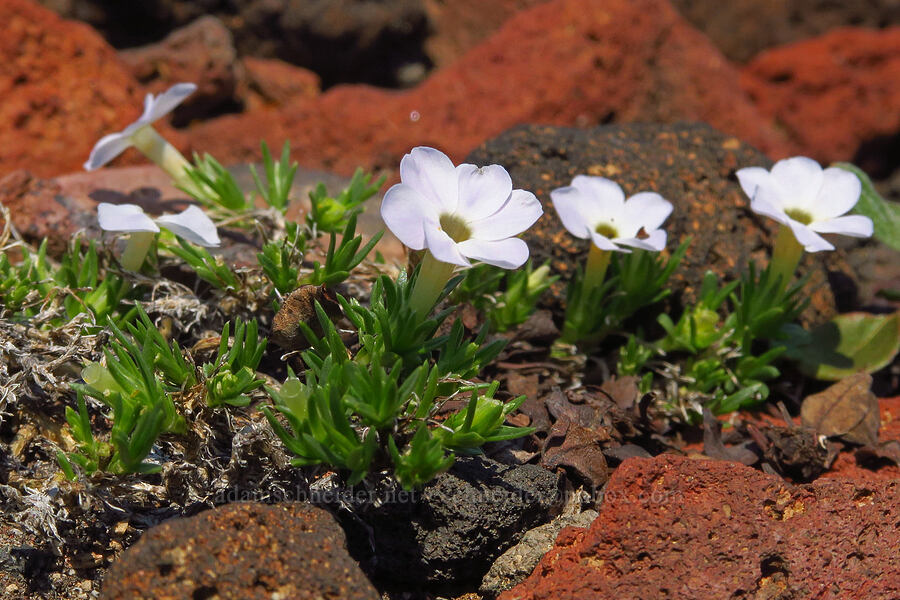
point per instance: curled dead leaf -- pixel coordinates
(299, 306)
(847, 410)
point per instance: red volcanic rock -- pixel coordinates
(62, 87)
(831, 93)
(849, 464)
(272, 82)
(743, 28)
(578, 62)
(673, 527)
(461, 24)
(202, 53)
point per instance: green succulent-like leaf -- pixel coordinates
(214, 186)
(279, 177)
(205, 265)
(424, 459)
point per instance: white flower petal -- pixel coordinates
(655, 241)
(430, 172)
(852, 225)
(482, 190)
(765, 194)
(604, 243)
(193, 225)
(839, 193)
(405, 211)
(752, 178)
(645, 210)
(442, 246)
(147, 116)
(510, 253)
(518, 214)
(761, 206)
(799, 179)
(604, 200)
(109, 147)
(124, 217)
(810, 240)
(568, 203)
(167, 101)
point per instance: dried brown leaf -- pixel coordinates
(848, 410)
(623, 391)
(714, 447)
(579, 451)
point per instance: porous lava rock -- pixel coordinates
(450, 532)
(518, 562)
(674, 527)
(242, 550)
(272, 82)
(63, 88)
(201, 52)
(743, 28)
(691, 164)
(832, 94)
(459, 25)
(575, 62)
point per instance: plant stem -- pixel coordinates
(594, 274)
(159, 150)
(595, 270)
(136, 250)
(785, 256)
(433, 276)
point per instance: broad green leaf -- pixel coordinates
(885, 215)
(848, 344)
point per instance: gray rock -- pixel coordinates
(451, 531)
(518, 562)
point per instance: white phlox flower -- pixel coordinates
(799, 194)
(191, 224)
(141, 133)
(595, 208)
(459, 213)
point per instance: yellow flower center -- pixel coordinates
(801, 216)
(607, 231)
(455, 227)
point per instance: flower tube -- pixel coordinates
(595, 208)
(144, 137)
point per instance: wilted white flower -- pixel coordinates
(191, 224)
(459, 213)
(595, 208)
(141, 134)
(800, 195)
